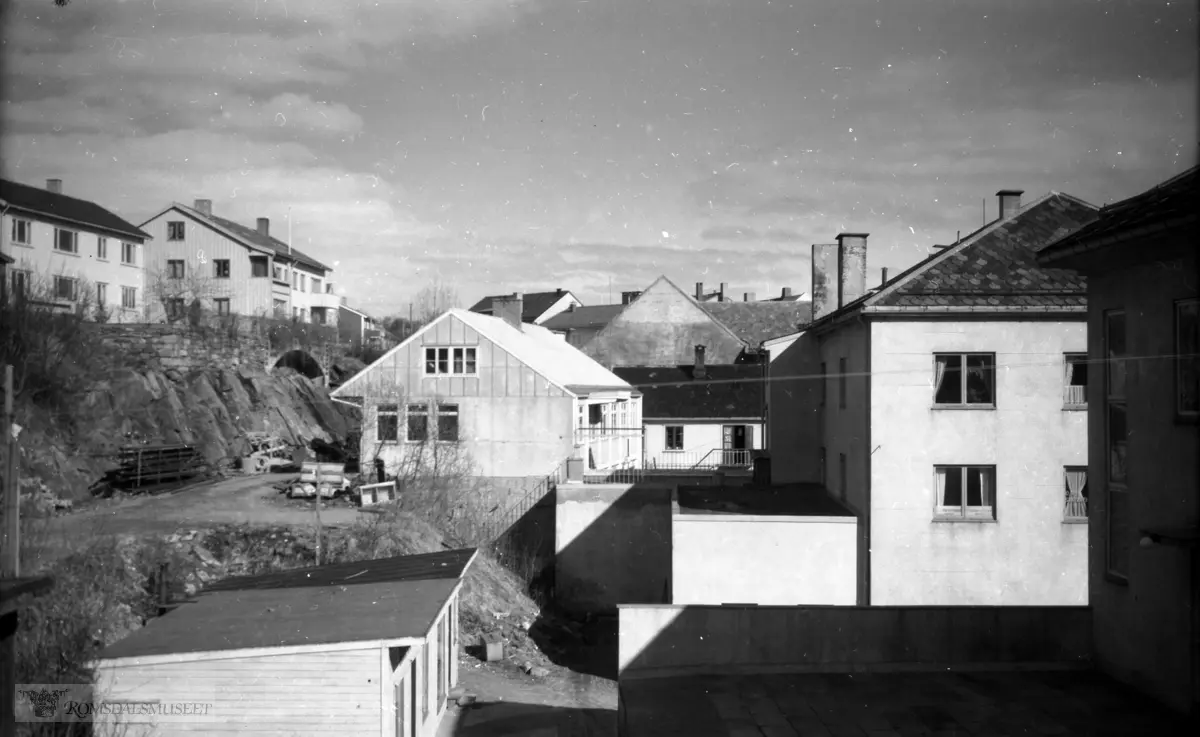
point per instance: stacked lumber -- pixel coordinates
(152, 466)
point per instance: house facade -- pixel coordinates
(1139, 258)
(71, 253)
(240, 649)
(507, 399)
(943, 408)
(538, 307)
(232, 269)
(354, 326)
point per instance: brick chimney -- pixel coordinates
(699, 290)
(749, 297)
(264, 226)
(824, 279)
(787, 292)
(852, 267)
(724, 288)
(883, 276)
(54, 185)
(204, 206)
(1010, 201)
(509, 308)
(627, 297)
(700, 372)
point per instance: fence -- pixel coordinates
(694, 460)
(540, 490)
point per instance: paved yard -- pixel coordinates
(879, 704)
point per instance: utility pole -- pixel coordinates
(10, 564)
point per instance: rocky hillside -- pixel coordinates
(211, 409)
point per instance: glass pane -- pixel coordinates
(1117, 437)
(954, 490)
(470, 367)
(443, 364)
(1118, 532)
(430, 360)
(387, 427)
(950, 389)
(1115, 346)
(979, 380)
(1079, 370)
(417, 427)
(1187, 346)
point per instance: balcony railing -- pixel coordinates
(1075, 396)
(699, 460)
(1076, 507)
(608, 447)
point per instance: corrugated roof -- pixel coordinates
(543, 351)
(595, 316)
(532, 307)
(755, 322)
(427, 566)
(727, 391)
(52, 204)
(252, 236)
(1170, 204)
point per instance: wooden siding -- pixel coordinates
(310, 694)
(201, 246)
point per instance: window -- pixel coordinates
(66, 288)
(303, 282)
(442, 668)
(101, 294)
(841, 383)
(674, 437)
(66, 241)
(824, 379)
(258, 267)
(450, 361)
(1117, 532)
(316, 285)
(175, 230)
(965, 492)
(1076, 489)
(295, 279)
(175, 269)
(1187, 358)
(129, 253)
(956, 387)
(174, 308)
(1075, 380)
(102, 248)
(280, 309)
(22, 231)
(221, 268)
(595, 414)
(387, 423)
(277, 273)
(418, 423)
(222, 305)
(842, 475)
(20, 283)
(129, 298)
(447, 419)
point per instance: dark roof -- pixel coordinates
(389, 599)
(793, 500)
(535, 303)
(52, 204)
(755, 322)
(596, 316)
(1167, 205)
(728, 391)
(264, 241)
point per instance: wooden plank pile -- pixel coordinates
(151, 468)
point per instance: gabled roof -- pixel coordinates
(1169, 205)
(38, 201)
(534, 304)
(368, 602)
(596, 316)
(993, 269)
(535, 346)
(755, 322)
(248, 237)
(728, 391)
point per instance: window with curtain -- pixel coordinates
(1117, 528)
(1076, 489)
(964, 379)
(1075, 373)
(965, 492)
(674, 437)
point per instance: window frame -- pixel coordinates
(130, 304)
(128, 253)
(101, 248)
(73, 289)
(27, 228)
(172, 263)
(176, 308)
(1115, 570)
(668, 444)
(447, 409)
(1079, 358)
(965, 512)
(464, 356)
(1181, 414)
(101, 294)
(222, 305)
(255, 261)
(387, 410)
(964, 404)
(176, 225)
(19, 282)
(74, 249)
(412, 411)
(218, 263)
(1069, 518)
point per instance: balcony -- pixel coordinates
(324, 300)
(604, 448)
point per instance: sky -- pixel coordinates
(495, 146)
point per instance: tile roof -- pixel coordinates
(595, 316)
(755, 322)
(1169, 204)
(534, 304)
(728, 391)
(251, 235)
(52, 204)
(389, 600)
(427, 566)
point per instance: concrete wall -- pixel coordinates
(612, 545)
(1145, 627)
(699, 438)
(747, 559)
(665, 640)
(1028, 555)
(795, 429)
(662, 327)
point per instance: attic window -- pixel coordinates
(450, 362)
(175, 230)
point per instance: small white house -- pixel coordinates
(367, 648)
(536, 307)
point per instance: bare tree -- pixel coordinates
(179, 296)
(433, 300)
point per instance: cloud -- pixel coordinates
(747, 233)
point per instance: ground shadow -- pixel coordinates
(493, 719)
(581, 643)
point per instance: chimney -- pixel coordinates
(724, 288)
(264, 226)
(571, 307)
(749, 297)
(883, 278)
(54, 185)
(700, 372)
(852, 267)
(699, 290)
(1010, 201)
(509, 308)
(204, 206)
(787, 292)
(824, 279)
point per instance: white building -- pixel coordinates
(71, 253)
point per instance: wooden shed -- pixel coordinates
(351, 648)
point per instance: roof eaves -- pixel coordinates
(136, 232)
